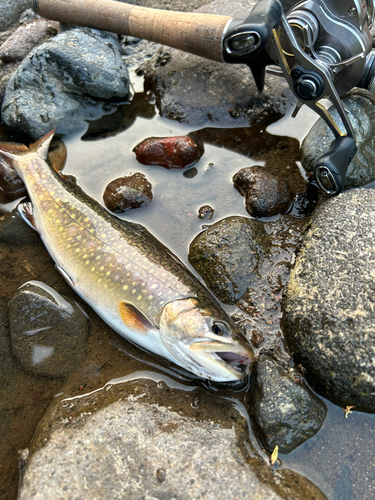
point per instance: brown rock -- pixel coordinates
(25, 38)
(11, 184)
(129, 192)
(266, 194)
(168, 152)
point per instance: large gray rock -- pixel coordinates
(361, 170)
(10, 11)
(60, 82)
(329, 313)
(191, 89)
(48, 333)
(285, 412)
(137, 439)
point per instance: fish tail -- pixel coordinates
(14, 151)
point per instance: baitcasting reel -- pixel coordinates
(323, 48)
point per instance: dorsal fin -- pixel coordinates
(13, 151)
(42, 145)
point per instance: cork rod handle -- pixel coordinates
(199, 34)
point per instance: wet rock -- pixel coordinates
(228, 256)
(168, 152)
(305, 202)
(48, 333)
(286, 413)
(57, 154)
(122, 442)
(129, 192)
(266, 194)
(10, 11)
(328, 317)
(135, 51)
(206, 212)
(15, 232)
(63, 82)
(25, 38)
(194, 90)
(361, 170)
(11, 184)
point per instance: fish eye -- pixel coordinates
(217, 329)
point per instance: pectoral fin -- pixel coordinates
(134, 319)
(26, 211)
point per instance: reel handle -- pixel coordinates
(199, 34)
(330, 170)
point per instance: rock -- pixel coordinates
(25, 38)
(129, 192)
(63, 82)
(266, 194)
(10, 11)
(305, 203)
(168, 152)
(48, 333)
(11, 184)
(122, 442)
(191, 89)
(206, 212)
(361, 170)
(328, 317)
(286, 413)
(15, 232)
(228, 255)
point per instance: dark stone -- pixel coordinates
(168, 152)
(228, 255)
(14, 231)
(48, 333)
(286, 413)
(266, 194)
(63, 82)
(328, 317)
(129, 192)
(361, 170)
(11, 184)
(25, 38)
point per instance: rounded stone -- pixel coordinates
(328, 316)
(168, 152)
(266, 194)
(129, 192)
(48, 332)
(285, 412)
(228, 255)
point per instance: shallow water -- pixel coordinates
(339, 459)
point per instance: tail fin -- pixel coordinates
(14, 151)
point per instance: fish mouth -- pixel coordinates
(228, 361)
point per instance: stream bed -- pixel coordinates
(339, 459)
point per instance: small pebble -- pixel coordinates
(205, 212)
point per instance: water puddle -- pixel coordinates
(339, 459)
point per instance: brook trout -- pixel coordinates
(127, 276)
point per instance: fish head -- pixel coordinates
(204, 340)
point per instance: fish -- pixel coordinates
(128, 277)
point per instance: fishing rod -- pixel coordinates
(323, 48)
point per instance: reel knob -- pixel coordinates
(330, 170)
